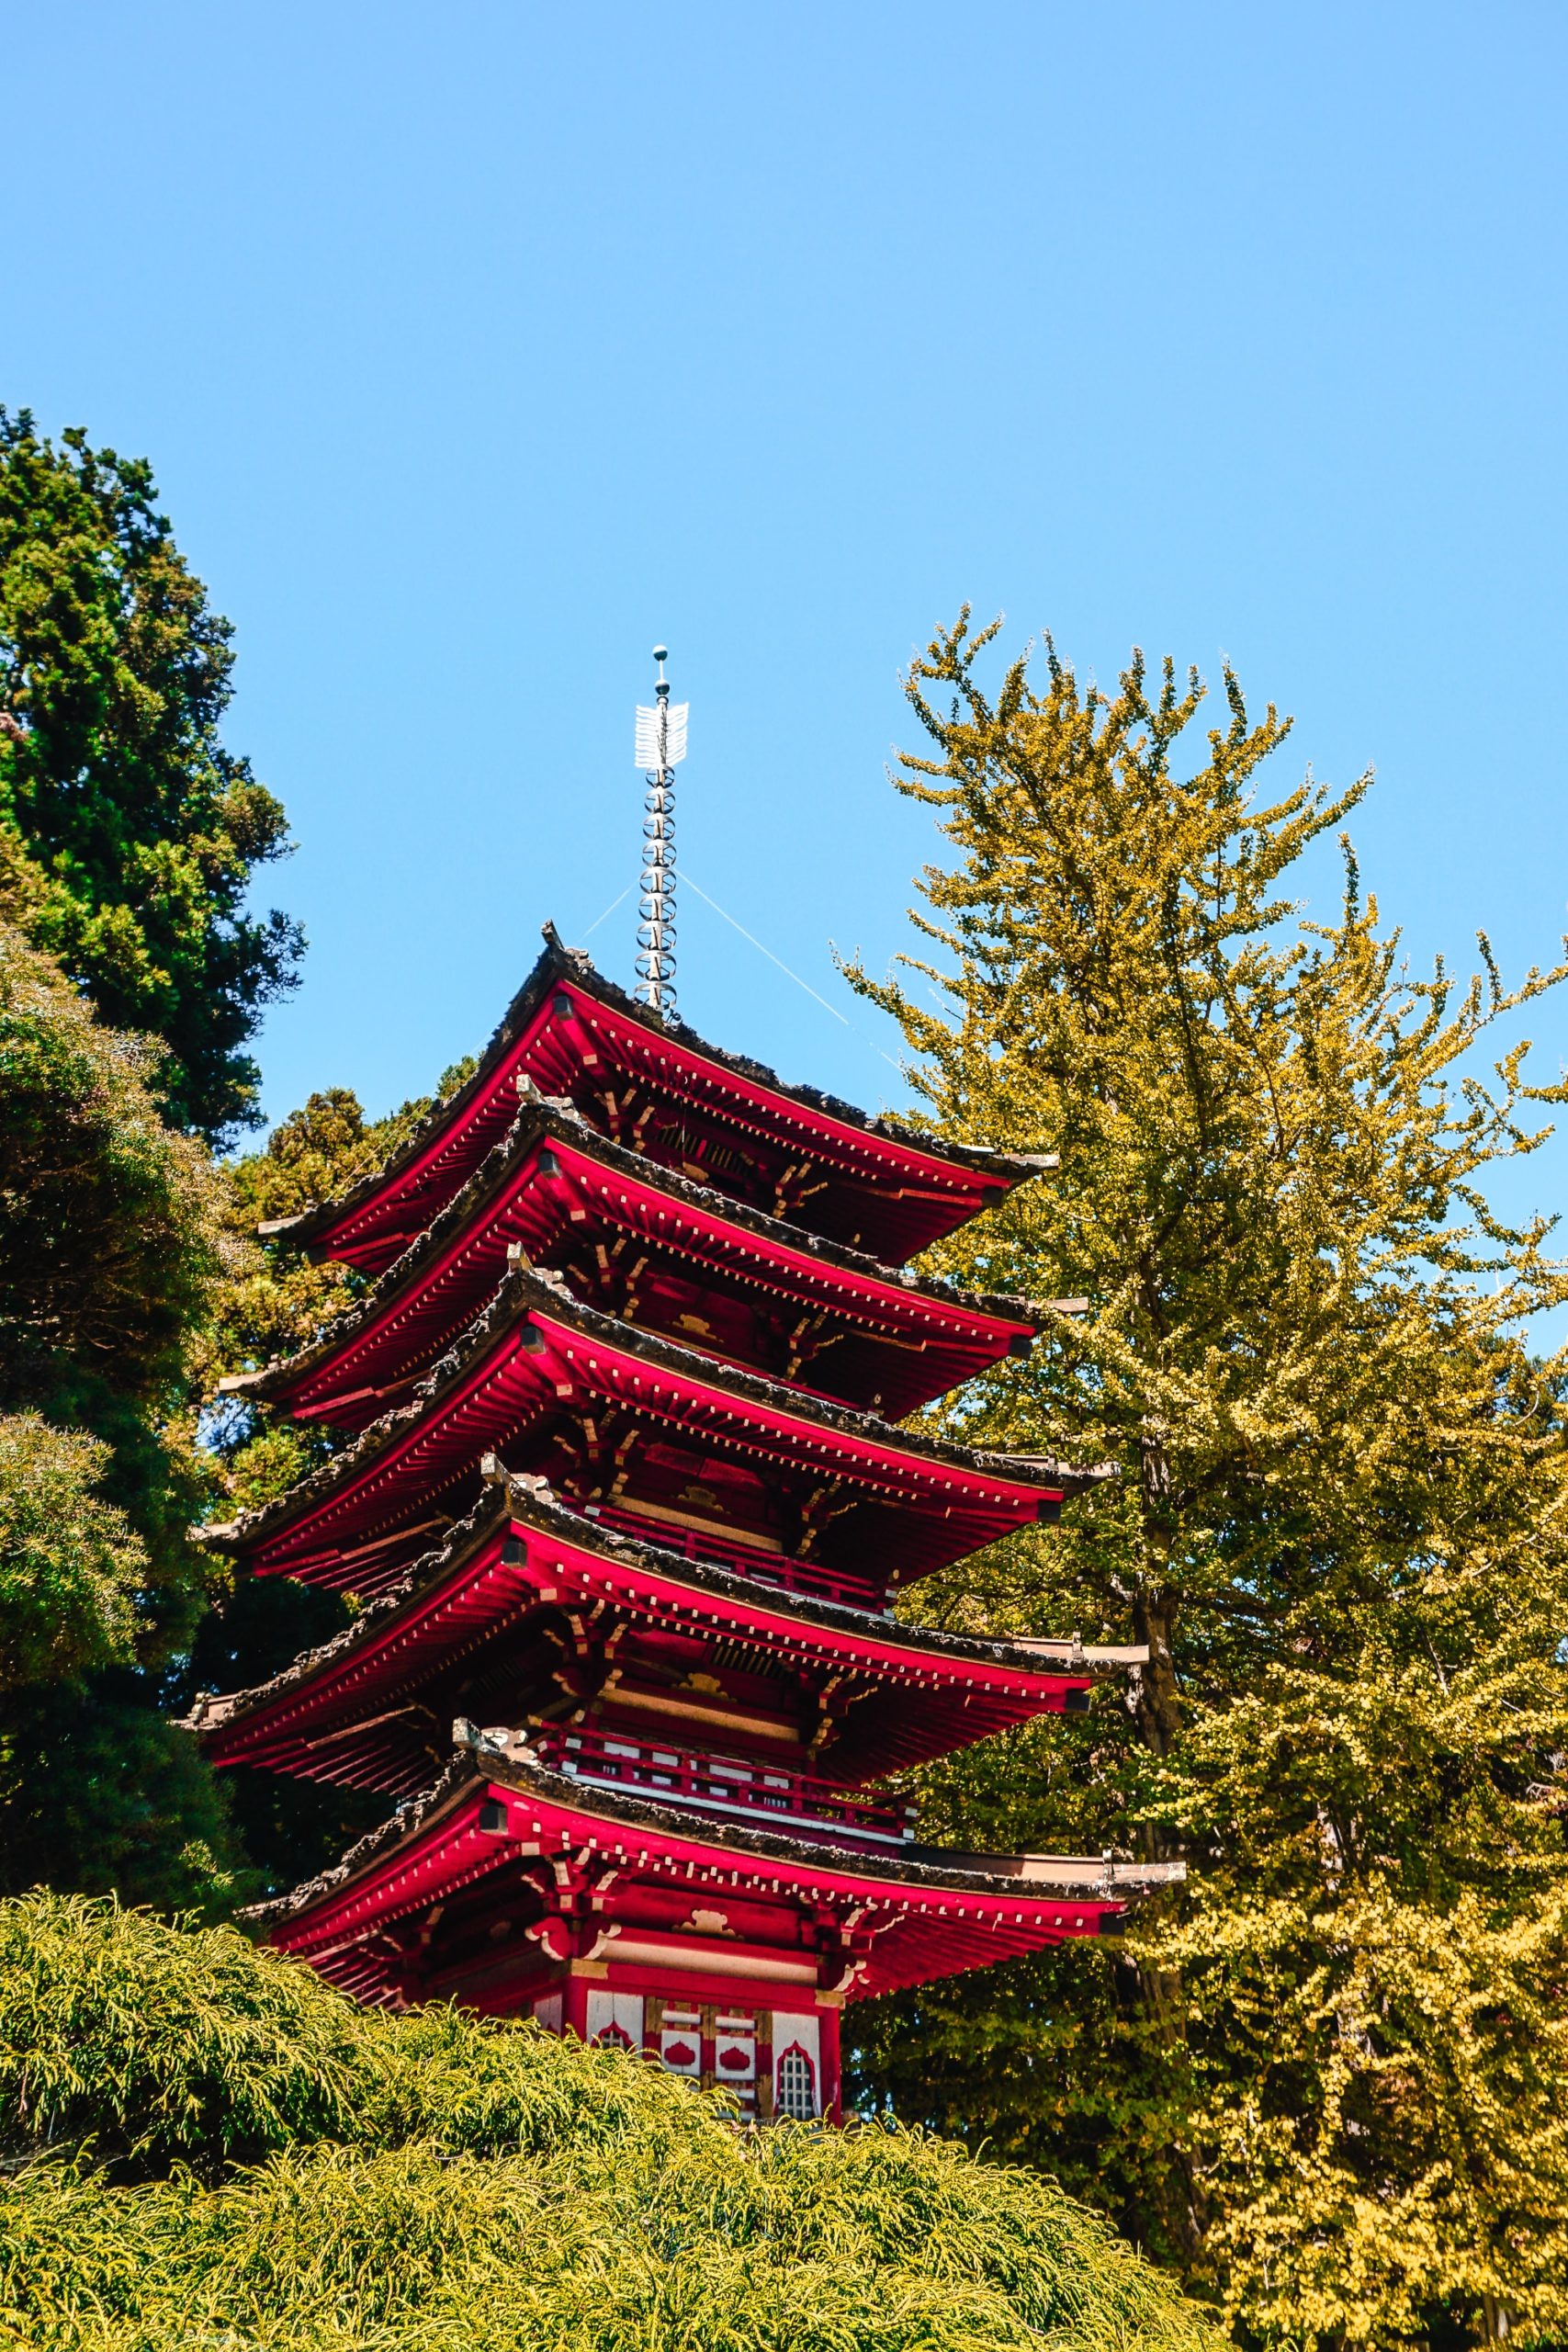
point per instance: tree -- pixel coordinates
(71, 1564)
(1330, 2082)
(110, 1250)
(272, 1301)
(129, 835)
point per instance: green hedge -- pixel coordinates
(206, 2147)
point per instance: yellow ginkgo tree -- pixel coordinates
(1331, 2082)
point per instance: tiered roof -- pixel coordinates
(792, 1911)
(572, 1034)
(361, 1709)
(536, 1368)
(868, 1333)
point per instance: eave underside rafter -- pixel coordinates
(358, 1711)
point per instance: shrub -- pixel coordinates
(215, 2149)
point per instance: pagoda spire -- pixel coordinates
(661, 745)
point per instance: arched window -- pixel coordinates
(613, 2037)
(798, 2085)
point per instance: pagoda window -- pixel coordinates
(698, 1319)
(798, 2085)
(614, 2020)
(707, 1158)
(702, 1491)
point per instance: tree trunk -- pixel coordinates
(1158, 1701)
(1157, 1708)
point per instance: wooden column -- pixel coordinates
(832, 2081)
(575, 2018)
(765, 2084)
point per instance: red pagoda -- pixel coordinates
(622, 1496)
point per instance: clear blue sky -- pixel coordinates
(477, 347)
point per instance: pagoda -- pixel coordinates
(622, 1495)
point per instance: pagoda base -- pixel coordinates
(724, 1950)
(772, 2047)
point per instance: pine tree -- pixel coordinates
(1331, 2081)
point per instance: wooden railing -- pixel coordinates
(728, 1783)
(777, 1569)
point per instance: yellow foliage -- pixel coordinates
(1328, 2082)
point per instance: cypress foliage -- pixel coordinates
(1330, 2082)
(207, 2145)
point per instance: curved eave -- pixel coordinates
(958, 1166)
(458, 1596)
(806, 1266)
(528, 1305)
(488, 1810)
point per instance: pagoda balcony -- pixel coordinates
(727, 1784)
(763, 1563)
(908, 1694)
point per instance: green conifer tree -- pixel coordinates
(1330, 2082)
(130, 835)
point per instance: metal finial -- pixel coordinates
(661, 745)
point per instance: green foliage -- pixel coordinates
(129, 835)
(71, 1565)
(108, 1240)
(273, 1299)
(110, 1249)
(226, 2151)
(277, 1298)
(110, 1252)
(1329, 2081)
(160, 2046)
(100, 1792)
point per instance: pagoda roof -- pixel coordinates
(931, 1184)
(916, 1914)
(940, 1334)
(459, 1598)
(507, 1374)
